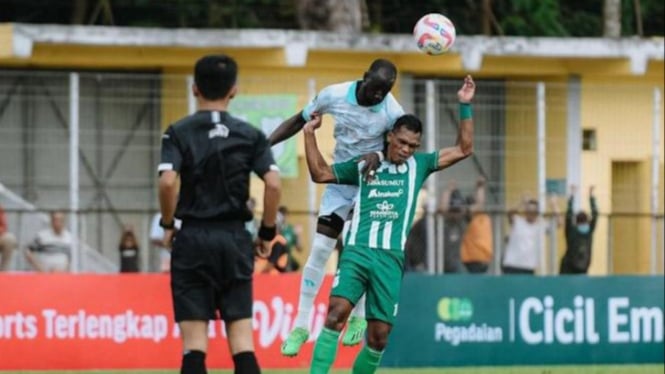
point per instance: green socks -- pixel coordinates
(367, 361)
(325, 351)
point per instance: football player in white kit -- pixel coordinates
(363, 111)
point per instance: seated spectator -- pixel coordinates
(477, 240)
(129, 251)
(277, 262)
(290, 233)
(7, 242)
(51, 250)
(524, 248)
(415, 248)
(456, 216)
(252, 225)
(157, 241)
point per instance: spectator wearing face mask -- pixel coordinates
(579, 236)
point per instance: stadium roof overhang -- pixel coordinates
(18, 42)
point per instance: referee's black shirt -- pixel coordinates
(215, 154)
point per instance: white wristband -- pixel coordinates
(380, 154)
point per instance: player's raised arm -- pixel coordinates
(319, 170)
(463, 147)
(287, 129)
(318, 105)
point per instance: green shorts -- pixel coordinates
(376, 272)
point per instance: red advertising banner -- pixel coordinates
(126, 322)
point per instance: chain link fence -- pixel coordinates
(522, 150)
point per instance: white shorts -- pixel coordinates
(338, 199)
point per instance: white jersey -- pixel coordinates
(358, 129)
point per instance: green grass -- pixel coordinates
(590, 369)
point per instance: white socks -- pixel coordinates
(312, 275)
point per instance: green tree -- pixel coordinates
(530, 18)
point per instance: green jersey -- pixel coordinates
(384, 208)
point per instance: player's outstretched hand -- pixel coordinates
(465, 94)
(313, 124)
(372, 163)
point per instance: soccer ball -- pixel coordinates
(434, 34)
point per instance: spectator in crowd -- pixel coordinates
(7, 242)
(253, 224)
(524, 248)
(579, 236)
(51, 249)
(455, 214)
(477, 240)
(290, 233)
(129, 251)
(157, 241)
(278, 261)
(415, 248)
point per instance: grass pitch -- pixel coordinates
(583, 369)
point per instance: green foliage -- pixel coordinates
(581, 18)
(530, 18)
(512, 17)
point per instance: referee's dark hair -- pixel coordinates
(215, 75)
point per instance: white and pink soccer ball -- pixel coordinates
(434, 34)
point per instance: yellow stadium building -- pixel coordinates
(598, 109)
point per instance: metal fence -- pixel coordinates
(104, 173)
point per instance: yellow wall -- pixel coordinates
(521, 146)
(620, 114)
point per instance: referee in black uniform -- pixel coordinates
(212, 261)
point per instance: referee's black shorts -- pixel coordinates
(211, 270)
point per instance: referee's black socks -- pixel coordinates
(245, 363)
(193, 362)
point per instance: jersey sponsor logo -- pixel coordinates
(384, 206)
(384, 211)
(392, 168)
(385, 183)
(220, 131)
(374, 193)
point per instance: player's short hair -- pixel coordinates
(410, 122)
(383, 67)
(215, 75)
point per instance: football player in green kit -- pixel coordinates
(373, 256)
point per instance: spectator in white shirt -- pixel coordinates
(51, 250)
(7, 242)
(525, 245)
(157, 241)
